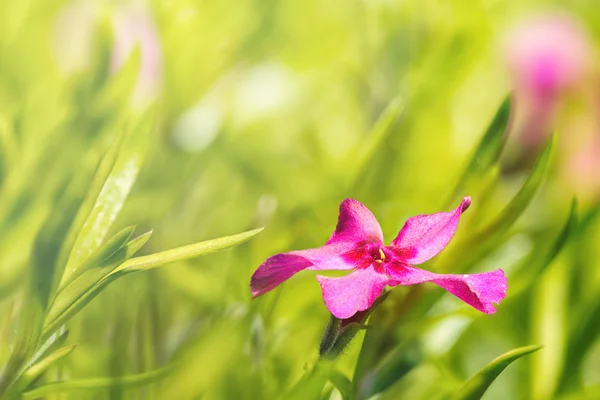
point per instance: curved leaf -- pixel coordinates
(488, 150)
(537, 265)
(185, 252)
(85, 279)
(376, 136)
(70, 308)
(36, 370)
(111, 198)
(99, 383)
(470, 249)
(478, 384)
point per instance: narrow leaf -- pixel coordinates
(107, 250)
(120, 86)
(139, 264)
(111, 198)
(342, 383)
(470, 249)
(38, 295)
(36, 370)
(375, 138)
(522, 199)
(487, 152)
(100, 176)
(583, 336)
(478, 384)
(185, 252)
(96, 384)
(536, 266)
(77, 290)
(310, 386)
(51, 345)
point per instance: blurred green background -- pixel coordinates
(252, 113)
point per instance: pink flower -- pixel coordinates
(583, 168)
(547, 56)
(357, 245)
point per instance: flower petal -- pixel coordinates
(478, 290)
(426, 235)
(356, 224)
(280, 267)
(352, 293)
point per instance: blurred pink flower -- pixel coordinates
(583, 169)
(134, 26)
(547, 56)
(357, 245)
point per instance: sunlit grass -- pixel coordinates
(221, 117)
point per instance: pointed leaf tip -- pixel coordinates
(185, 252)
(478, 384)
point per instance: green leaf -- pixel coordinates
(375, 138)
(106, 251)
(37, 369)
(96, 384)
(470, 249)
(95, 186)
(76, 291)
(342, 383)
(487, 152)
(313, 382)
(478, 384)
(536, 266)
(583, 335)
(53, 343)
(74, 304)
(185, 252)
(311, 385)
(522, 199)
(120, 86)
(43, 264)
(111, 197)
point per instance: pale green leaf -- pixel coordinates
(375, 138)
(72, 296)
(111, 198)
(470, 249)
(96, 384)
(185, 252)
(103, 253)
(536, 266)
(74, 304)
(487, 152)
(120, 86)
(478, 384)
(37, 369)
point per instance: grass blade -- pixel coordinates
(141, 264)
(111, 198)
(185, 252)
(486, 237)
(36, 370)
(96, 384)
(478, 384)
(375, 138)
(487, 152)
(79, 285)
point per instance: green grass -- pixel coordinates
(266, 113)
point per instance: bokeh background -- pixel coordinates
(270, 113)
